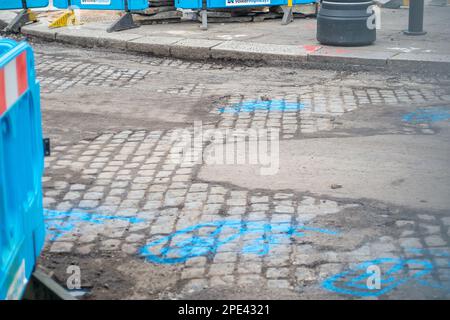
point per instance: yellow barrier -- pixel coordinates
(68, 18)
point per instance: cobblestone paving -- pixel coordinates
(314, 108)
(140, 175)
(318, 105)
(57, 74)
(132, 191)
(185, 65)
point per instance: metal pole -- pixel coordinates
(204, 15)
(415, 23)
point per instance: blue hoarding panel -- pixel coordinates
(197, 4)
(17, 4)
(102, 4)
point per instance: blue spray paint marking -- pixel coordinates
(205, 239)
(269, 105)
(427, 115)
(354, 282)
(58, 223)
(439, 253)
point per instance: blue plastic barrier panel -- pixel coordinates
(197, 4)
(102, 4)
(244, 3)
(17, 4)
(22, 231)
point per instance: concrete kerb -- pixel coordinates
(360, 57)
(239, 51)
(39, 30)
(408, 61)
(82, 38)
(116, 40)
(270, 54)
(198, 49)
(73, 37)
(159, 46)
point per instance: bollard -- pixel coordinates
(415, 21)
(346, 23)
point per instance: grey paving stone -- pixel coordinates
(221, 269)
(61, 247)
(435, 241)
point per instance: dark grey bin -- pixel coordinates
(345, 23)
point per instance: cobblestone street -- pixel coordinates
(144, 218)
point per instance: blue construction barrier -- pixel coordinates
(18, 4)
(25, 15)
(210, 4)
(22, 231)
(204, 5)
(102, 4)
(124, 23)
